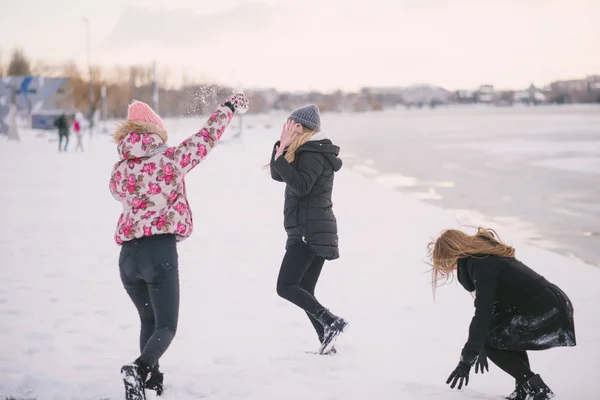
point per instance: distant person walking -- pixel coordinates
(516, 309)
(306, 160)
(148, 181)
(77, 130)
(62, 123)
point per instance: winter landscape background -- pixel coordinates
(68, 325)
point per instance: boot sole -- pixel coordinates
(134, 387)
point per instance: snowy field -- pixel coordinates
(67, 325)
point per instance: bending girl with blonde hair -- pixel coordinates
(306, 160)
(516, 309)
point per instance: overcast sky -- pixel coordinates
(320, 44)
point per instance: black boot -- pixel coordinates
(518, 394)
(134, 376)
(155, 382)
(332, 327)
(536, 389)
(331, 352)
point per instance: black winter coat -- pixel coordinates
(308, 209)
(515, 307)
(63, 125)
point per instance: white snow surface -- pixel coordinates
(590, 165)
(67, 325)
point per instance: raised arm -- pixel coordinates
(194, 149)
(302, 177)
(274, 173)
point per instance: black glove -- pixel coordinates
(460, 375)
(482, 362)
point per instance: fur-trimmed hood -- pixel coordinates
(138, 139)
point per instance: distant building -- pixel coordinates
(378, 98)
(576, 91)
(485, 94)
(530, 96)
(574, 85)
(465, 96)
(425, 95)
(39, 97)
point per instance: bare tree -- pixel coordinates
(43, 68)
(19, 64)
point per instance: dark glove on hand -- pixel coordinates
(460, 375)
(482, 362)
(238, 102)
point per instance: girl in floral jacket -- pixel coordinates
(149, 182)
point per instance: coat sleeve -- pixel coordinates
(274, 173)
(194, 149)
(485, 273)
(303, 176)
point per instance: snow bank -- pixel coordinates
(68, 325)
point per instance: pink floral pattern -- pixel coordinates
(134, 138)
(166, 173)
(205, 135)
(201, 151)
(149, 168)
(185, 160)
(152, 188)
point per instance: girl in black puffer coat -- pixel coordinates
(516, 309)
(306, 161)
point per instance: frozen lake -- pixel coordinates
(533, 171)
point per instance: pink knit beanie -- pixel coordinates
(141, 119)
(141, 112)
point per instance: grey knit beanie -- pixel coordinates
(308, 116)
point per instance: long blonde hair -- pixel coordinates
(298, 141)
(453, 244)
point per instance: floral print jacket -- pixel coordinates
(149, 178)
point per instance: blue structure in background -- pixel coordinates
(43, 99)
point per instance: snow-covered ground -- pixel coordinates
(67, 325)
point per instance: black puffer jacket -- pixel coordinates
(308, 209)
(507, 292)
(63, 125)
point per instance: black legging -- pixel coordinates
(514, 363)
(298, 276)
(60, 140)
(150, 275)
